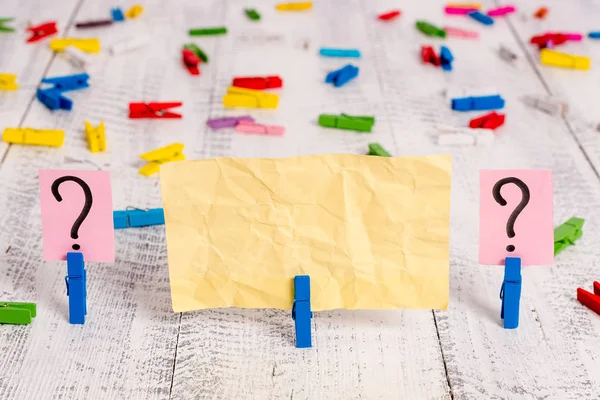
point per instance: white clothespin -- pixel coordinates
(506, 54)
(78, 58)
(547, 104)
(458, 136)
(130, 44)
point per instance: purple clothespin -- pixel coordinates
(227, 122)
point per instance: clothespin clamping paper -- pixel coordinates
(566, 234)
(8, 82)
(153, 110)
(35, 137)
(95, 137)
(17, 313)
(510, 293)
(163, 155)
(240, 97)
(76, 287)
(42, 31)
(138, 218)
(301, 313)
(590, 300)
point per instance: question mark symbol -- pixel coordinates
(525, 196)
(87, 206)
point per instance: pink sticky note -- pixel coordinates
(77, 190)
(533, 228)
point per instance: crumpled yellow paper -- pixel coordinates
(372, 232)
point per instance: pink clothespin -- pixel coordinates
(456, 32)
(576, 37)
(251, 127)
(458, 10)
(500, 11)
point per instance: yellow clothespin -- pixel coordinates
(300, 6)
(163, 155)
(249, 98)
(564, 60)
(95, 137)
(90, 45)
(37, 137)
(8, 82)
(134, 11)
(464, 5)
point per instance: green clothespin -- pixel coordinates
(566, 234)
(344, 121)
(197, 51)
(219, 30)
(6, 28)
(430, 30)
(16, 313)
(375, 149)
(252, 14)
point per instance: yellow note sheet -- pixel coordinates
(371, 232)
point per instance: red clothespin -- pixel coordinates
(191, 61)
(542, 40)
(590, 300)
(41, 31)
(428, 56)
(257, 82)
(389, 15)
(489, 121)
(153, 110)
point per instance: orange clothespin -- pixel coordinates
(41, 31)
(590, 300)
(153, 110)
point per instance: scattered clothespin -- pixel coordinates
(458, 10)
(298, 6)
(93, 24)
(342, 53)
(480, 17)
(130, 44)
(68, 82)
(219, 30)
(240, 97)
(77, 58)
(564, 60)
(227, 122)
(301, 313)
(8, 82)
(590, 300)
(446, 58)
(350, 122)
(34, 137)
(17, 313)
(162, 155)
(476, 6)
(510, 293)
(594, 35)
(252, 14)
(95, 137)
(566, 234)
(342, 76)
(548, 40)
(153, 110)
(190, 61)
(258, 82)
(428, 55)
(574, 37)
(460, 33)
(459, 136)
(547, 104)
(375, 149)
(506, 54)
(251, 127)
(541, 13)
(388, 16)
(90, 45)
(501, 11)
(138, 218)
(491, 121)
(117, 14)
(197, 51)
(134, 12)
(53, 99)
(76, 287)
(430, 29)
(480, 103)
(3, 27)
(42, 31)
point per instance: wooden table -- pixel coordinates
(133, 345)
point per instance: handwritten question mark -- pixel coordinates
(525, 196)
(87, 206)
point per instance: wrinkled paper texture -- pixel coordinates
(372, 232)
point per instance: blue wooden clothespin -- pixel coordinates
(68, 82)
(446, 58)
(76, 289)
(117, 14)
(510, 293)
(53, 99)
(342, 76)
(138, 218)
(301, 313)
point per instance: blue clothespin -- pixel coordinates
(446, 58)
(478, 16)
(301, 313)
(76, 288)
(69, 82)
(342, 76)
(53, 99)
(138, 218)
(510, 293)
(347, 53)
(117, 14)
(479, 103)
